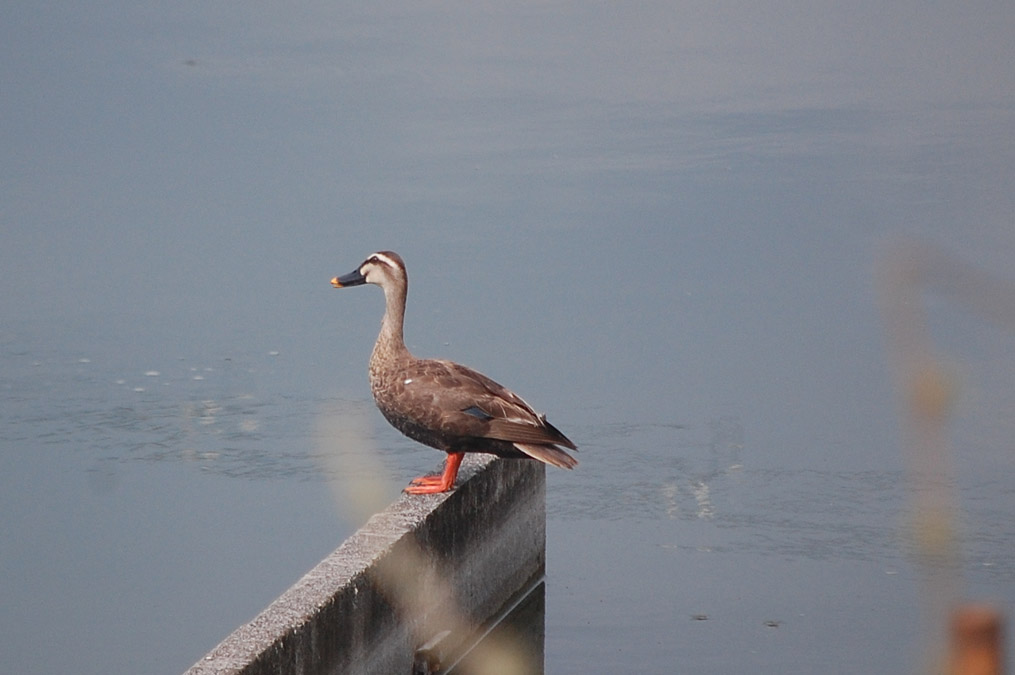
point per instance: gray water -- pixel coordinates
(659, 223)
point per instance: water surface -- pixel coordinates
(657, 223)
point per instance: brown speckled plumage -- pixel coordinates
(443, 404)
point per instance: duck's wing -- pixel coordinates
(471, 403)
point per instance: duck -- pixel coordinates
(443, 404)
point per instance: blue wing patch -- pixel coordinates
(477, 412)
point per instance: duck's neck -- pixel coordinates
(390, 342)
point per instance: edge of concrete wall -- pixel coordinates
(362, 609)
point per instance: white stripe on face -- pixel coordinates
(385, 259)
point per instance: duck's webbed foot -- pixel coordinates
(428, 485)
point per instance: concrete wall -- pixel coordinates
(429, 568)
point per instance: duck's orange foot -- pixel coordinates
(429, 485)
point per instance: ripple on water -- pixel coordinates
(679, 477)
(214, 416)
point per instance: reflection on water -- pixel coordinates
(656, 473)
(213, 416)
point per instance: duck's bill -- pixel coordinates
(350, 279)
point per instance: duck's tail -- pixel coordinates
(550, 454)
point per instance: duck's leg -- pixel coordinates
(426, 485)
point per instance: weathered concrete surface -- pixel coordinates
(425, 564)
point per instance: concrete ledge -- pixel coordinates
(425, 565)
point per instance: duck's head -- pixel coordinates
(384, 268)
